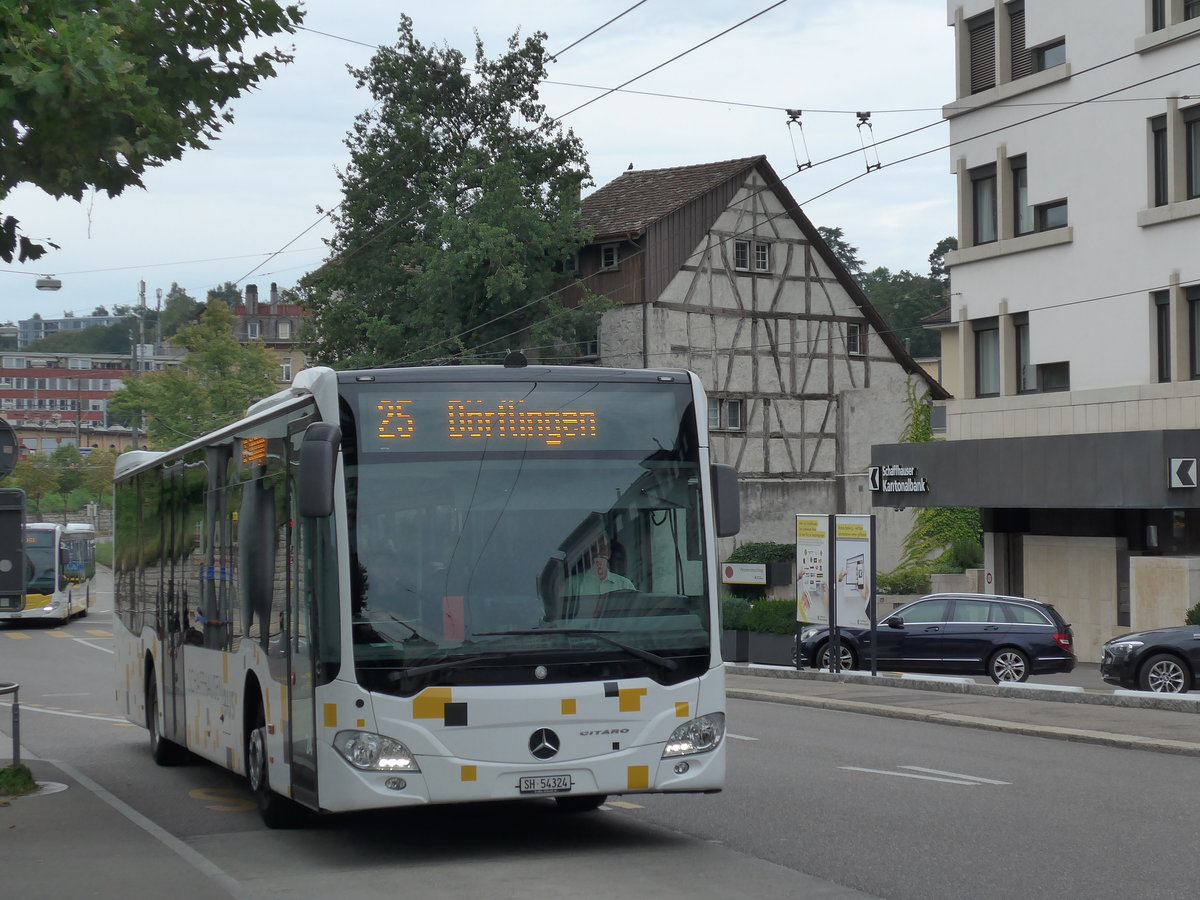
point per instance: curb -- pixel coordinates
(1185, 703)
(1077, 735)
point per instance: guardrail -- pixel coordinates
(11, 687)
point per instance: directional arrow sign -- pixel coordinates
(1183, 473)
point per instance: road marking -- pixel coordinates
(623, 804)
(185, 851)
(95, 646)
(86, 694)
(226, 800)
(50, 711)
(739, 737)
(98, 633)
(935, 775)
(956, 775)
(18, 635)
(57, 632)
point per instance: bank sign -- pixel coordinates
(897, 480)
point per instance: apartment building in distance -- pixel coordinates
(277, 324)
(1071, 346)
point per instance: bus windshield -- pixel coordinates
(41, 555)
(557, 527)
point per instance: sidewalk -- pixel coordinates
(73, 840)
(1126, 719)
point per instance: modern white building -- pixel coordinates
(1072, 342)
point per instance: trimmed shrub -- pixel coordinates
(733, 613)
(1193, 616)
(772, 617)
(763, 552)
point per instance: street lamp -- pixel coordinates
(48, 283)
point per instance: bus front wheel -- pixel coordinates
(277, 811)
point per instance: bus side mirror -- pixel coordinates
(728, 503)
(318, 463)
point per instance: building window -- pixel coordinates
(1191, 9)
(1158, 15)
(983, 196)
(285, 369)
(1191, 130)
(987, 358)
(1162, 328)
(1054, 377)
(856, 338)
(1022, 211)
(252, 330)
(982, 31)
(610, 256)
(725, 415)
(1028, 219)
(1158, 139)
(752, 256)
(1021, 59)
(1050, 55)
(1192, 296)
(285, 330)
(1026, 372)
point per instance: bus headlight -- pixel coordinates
(374, 752)
(700, 735)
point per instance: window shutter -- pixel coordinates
(983, 54)
(1022, 59)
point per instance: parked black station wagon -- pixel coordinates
(1164, 660)
(1008, 638)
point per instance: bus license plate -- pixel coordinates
(545, 784)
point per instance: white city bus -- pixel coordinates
(60, 564)
(374, 590)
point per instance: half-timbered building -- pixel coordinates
(716, 269)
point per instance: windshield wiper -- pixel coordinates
(448, 664)
(669, 664)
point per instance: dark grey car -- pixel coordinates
(1007, 638)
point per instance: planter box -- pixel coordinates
(771, 649)
(735, 645)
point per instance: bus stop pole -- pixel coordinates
(10, 687)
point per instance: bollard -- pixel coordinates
(11, 687)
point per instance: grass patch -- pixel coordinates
(16, 781)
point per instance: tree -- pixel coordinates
(98, 473)
(179, 309)
(217, 380)
(847, 255)
(92, 95)
(93, 339)
(460, 205)
(37, 476)
(69, 462)
(228, 293)
(942, 538)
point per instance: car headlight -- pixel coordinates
(1121, 649)
(374, 752)
(807, 634)
(700, 735)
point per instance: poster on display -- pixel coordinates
(855, 569)
(812, 578)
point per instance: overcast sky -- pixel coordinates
(218, 215)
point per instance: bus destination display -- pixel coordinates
(464, 421)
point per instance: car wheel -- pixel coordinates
(277, 811)
(1163, 674)
(845, 656)
(1008, 664)
(582, 803)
